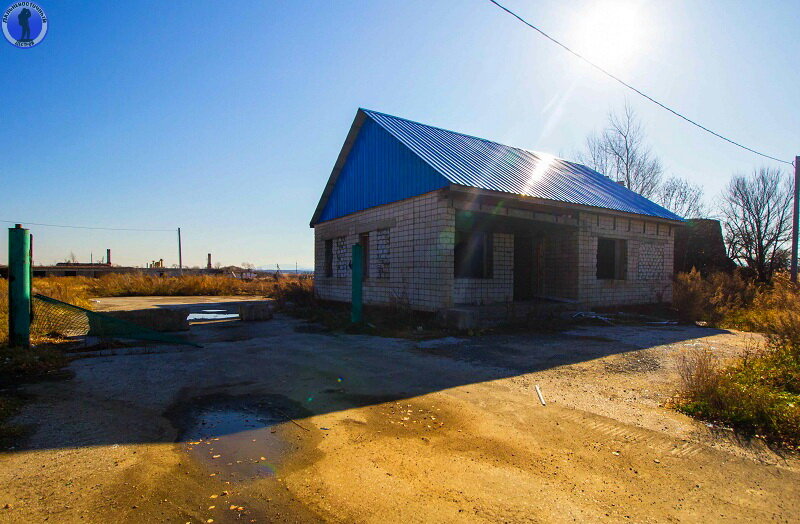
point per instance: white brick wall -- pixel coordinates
(649, 243)
(381, 259)
(411, 253)
(651, 260)
(341, 257)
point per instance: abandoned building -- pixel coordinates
(449, 221)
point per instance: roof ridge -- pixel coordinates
(537, 153)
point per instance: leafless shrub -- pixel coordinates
(699, 372)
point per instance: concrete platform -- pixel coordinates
(165, 319)
(177, 313)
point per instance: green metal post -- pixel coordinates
(19, 287)
(357, 311)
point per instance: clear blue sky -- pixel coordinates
(226, 118)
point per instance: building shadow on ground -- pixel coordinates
(278, 371)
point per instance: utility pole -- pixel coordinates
(795, 217)
(180, 253)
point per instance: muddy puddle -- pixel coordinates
(235, 439)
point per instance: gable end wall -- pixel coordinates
(421, 233)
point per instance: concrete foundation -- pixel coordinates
(256, 311)
(158, 319)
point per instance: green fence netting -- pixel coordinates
(53, 317)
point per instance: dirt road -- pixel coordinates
(386, 430)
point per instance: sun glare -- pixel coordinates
(612, 33)
(543, 163)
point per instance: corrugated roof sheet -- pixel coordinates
(474, 162)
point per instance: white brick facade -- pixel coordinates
(645, 286)
(411, 257)
(411, 242)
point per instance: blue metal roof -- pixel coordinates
(469, 161)
(377, 170)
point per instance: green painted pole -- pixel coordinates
(19, 287)
(357, 311)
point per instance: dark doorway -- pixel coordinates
(528, 266)
(523, 267)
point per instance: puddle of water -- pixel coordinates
(212, 316)
(235, 444)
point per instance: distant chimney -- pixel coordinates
(108, 257)
(208, 265)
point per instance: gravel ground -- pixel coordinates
(268, 422)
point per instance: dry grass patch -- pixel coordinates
(140, 284)
(731, 301)
(759, 393)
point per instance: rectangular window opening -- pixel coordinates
(612, 258)
(473, 254)
(363, 239)
(329, 257)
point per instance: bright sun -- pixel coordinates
(612, 33)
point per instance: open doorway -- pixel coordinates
(527, 266)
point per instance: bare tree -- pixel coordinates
(757, 210)
(621, 153)
(681, 197)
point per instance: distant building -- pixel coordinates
(449, 220)
(700, 245)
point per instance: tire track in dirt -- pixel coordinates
(662, 444)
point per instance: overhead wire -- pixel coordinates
(632, 88)
(90, 227)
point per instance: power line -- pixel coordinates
(613, 76)
(89, 227)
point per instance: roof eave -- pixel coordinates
(562, 204)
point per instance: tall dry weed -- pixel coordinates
(712, 298)
(699, 372)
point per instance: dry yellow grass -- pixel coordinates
(139, 284)
(728, 300)
(760, 392)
